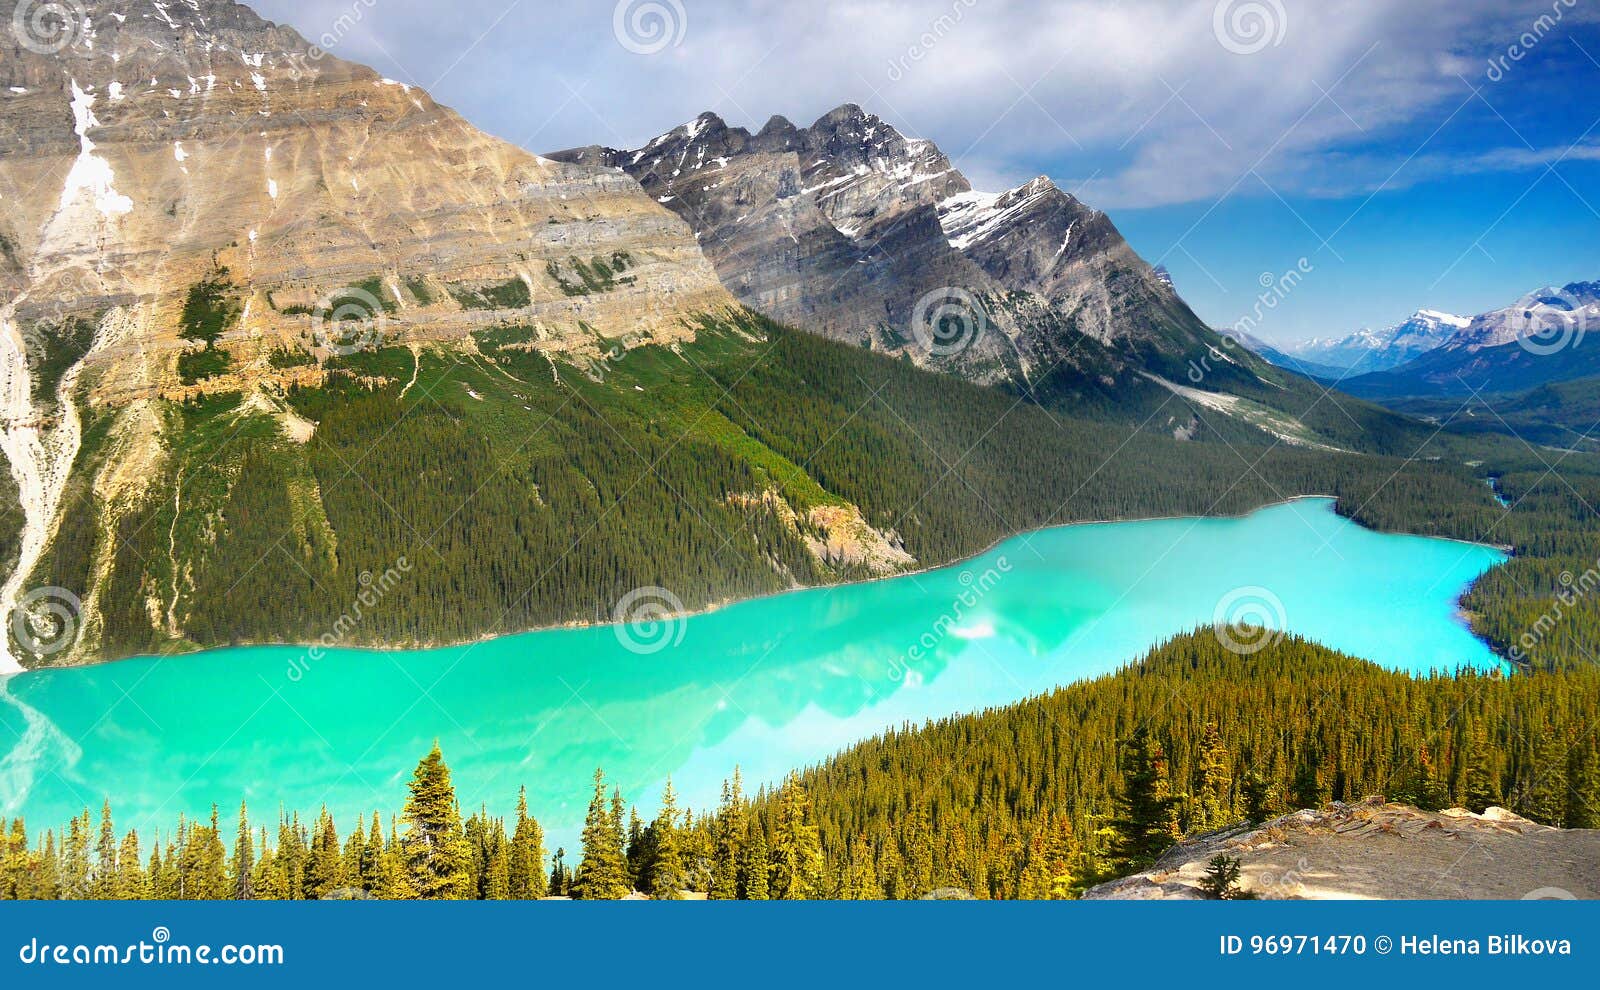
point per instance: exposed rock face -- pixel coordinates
(171, 140)
(147, 149)
(1372, 849)
(850, 229)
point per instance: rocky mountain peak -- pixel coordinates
(844, 226)
(779, 132)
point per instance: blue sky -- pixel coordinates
(1438, 154)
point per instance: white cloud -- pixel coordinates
(1144, 94)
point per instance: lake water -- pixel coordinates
(770, 684)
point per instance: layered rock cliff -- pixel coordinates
(194, 200)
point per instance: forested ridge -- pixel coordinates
(1034, 800)
(524, 493)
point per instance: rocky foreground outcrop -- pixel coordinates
(1378, 850)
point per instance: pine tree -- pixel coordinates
(103, 880)
(354, 855)
(497, 874)
(370, 871)
(728, 838)
(666, 874)
(756, 875)
(560, 885)
(1481, 783)
(860, 879)
(525, 865)
(1544, 791)
(601, 874)
(396, 881)
(796, 855)
(435, 852)
(242, 868)
(75, 859)
(1307, 790)
(1259, 801)
(1583, 802)
(132, 884)
(1142, 828)
(1214, 805)
(325, 862)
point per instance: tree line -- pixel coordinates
(1034, 800)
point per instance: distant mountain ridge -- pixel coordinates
(851, 229)
(1542, 338)
(1369, 350)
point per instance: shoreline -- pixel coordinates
(733, 602)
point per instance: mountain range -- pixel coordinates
(855, 231)
(271, 323)
(1379, 350)
(1540, 339)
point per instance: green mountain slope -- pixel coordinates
(506, 492)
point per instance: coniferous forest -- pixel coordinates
(1035, 800)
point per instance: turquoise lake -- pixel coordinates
(769, 684)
